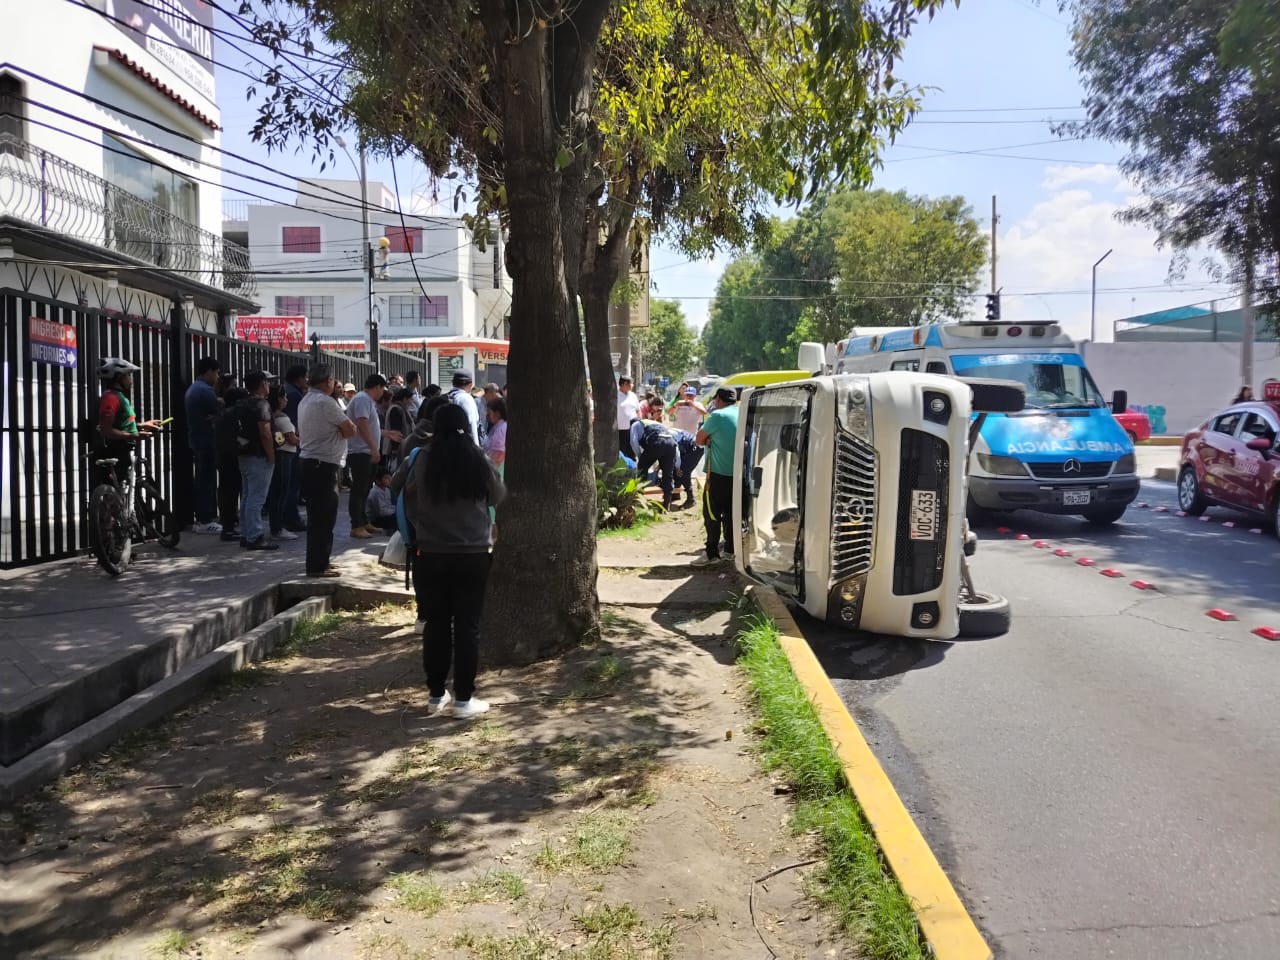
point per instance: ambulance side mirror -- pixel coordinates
(1120, 401)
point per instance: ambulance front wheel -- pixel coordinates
(1105, 516)
(984, 615)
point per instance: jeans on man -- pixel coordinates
(454, 592)
(228, 492)
(717, 511)
(663, 453)
(318, 482)
(281, 480)
(361, 467)
(689, 460)
(204, 490)
(255, 481)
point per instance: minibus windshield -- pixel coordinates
(1053, 381)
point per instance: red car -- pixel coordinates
(1136, 425)
(1232, 460)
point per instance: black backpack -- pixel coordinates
(229, 432)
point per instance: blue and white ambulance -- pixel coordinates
(1063, 454)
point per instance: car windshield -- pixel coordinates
(1051, 384)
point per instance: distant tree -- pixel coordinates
(1191, 90)
(668, 346)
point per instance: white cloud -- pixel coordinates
(1057, 176)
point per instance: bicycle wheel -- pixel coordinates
(108, 531)
(155, 517)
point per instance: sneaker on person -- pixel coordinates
(376, 531)
(213, 526)
(284, 535)
(330, 574)
(436, 704)
(262, 543)
(361, 533)
(230, 536)
(705, 561)
(466, 709)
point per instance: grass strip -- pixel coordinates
(854, 882)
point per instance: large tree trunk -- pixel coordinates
(596, 287)
(542, 589)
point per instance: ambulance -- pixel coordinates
(1064, 453)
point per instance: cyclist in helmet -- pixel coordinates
(117, 420)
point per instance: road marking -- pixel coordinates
(945, 922)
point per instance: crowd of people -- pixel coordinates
(271, 456)
(673, 435)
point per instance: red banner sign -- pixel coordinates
(288, 333)
(1271, 390)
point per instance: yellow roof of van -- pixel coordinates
(759, 378)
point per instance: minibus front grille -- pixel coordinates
(853, 507)
(925, 467)
(1070, 469)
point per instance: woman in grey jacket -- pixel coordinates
(447, 500)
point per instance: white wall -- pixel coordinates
(1177, 384)
(56, 40)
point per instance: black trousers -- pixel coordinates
(717, 511)
(228, 491)
(361, 467)
(690, 457)
(664, 455)
(453, 587)
(624, 443)
(318, 482)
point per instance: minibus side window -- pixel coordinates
(913, 365)
(936, 366)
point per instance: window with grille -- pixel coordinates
(13, 116)
(300, 239)
(418, 311)
(317, 310)
(404, 239)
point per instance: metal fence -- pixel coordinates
(45, 409)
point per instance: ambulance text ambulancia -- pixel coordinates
(1064, 453)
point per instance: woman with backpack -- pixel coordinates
(448, 491)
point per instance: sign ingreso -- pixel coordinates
(287, 333)
(178, 33)
(52, 342)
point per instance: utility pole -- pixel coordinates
(1093, 300)
(368, 256)
(995, 220)
(1246, 325)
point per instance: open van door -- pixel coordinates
(773, 438)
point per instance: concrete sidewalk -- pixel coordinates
(74, 641)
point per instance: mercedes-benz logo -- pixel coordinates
(1071, 466)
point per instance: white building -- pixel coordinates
(433, 285)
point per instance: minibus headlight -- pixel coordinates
(1001, 466)
(1127, 464)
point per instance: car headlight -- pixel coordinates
(1001, 466)
(1126, 464)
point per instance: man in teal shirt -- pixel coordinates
(718, 434)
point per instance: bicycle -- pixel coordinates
(122, 512)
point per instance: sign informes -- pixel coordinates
(178, 33)
(1271, 390)
(53, 343)
(287, 333)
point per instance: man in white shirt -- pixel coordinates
(628, 410)
(460, 394)
(688, 411)
(323, 430)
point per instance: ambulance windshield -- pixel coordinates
(1054, 381)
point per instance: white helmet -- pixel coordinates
(111, 367)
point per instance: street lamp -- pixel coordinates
(366, 255)
(1093, 301)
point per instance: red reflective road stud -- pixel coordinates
(1206, 518)
(1162, 509)
(1142, 585)
(1256, 530)
(1143, 505)
(1266, 633)
(1228, 523)
(1022, 536)
(1086, 562)
(1109, 572)
(1041, 545)
(1219, 614)
(1061, 553)
(1003, 530)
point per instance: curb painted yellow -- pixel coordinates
(1162, 441)
(945, 922)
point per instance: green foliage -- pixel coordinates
(1191, 90)
(668, 346)
(849, 259)
(620, 499)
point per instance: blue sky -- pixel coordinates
(999, 72)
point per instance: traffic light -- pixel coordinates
(993, 306)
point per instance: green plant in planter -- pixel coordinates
(620, 499)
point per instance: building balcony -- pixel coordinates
(45, 191)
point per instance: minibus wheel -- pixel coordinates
(984, 614)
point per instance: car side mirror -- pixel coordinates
(1261, 444)
(1120, 401)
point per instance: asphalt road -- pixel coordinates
(1103, 781)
